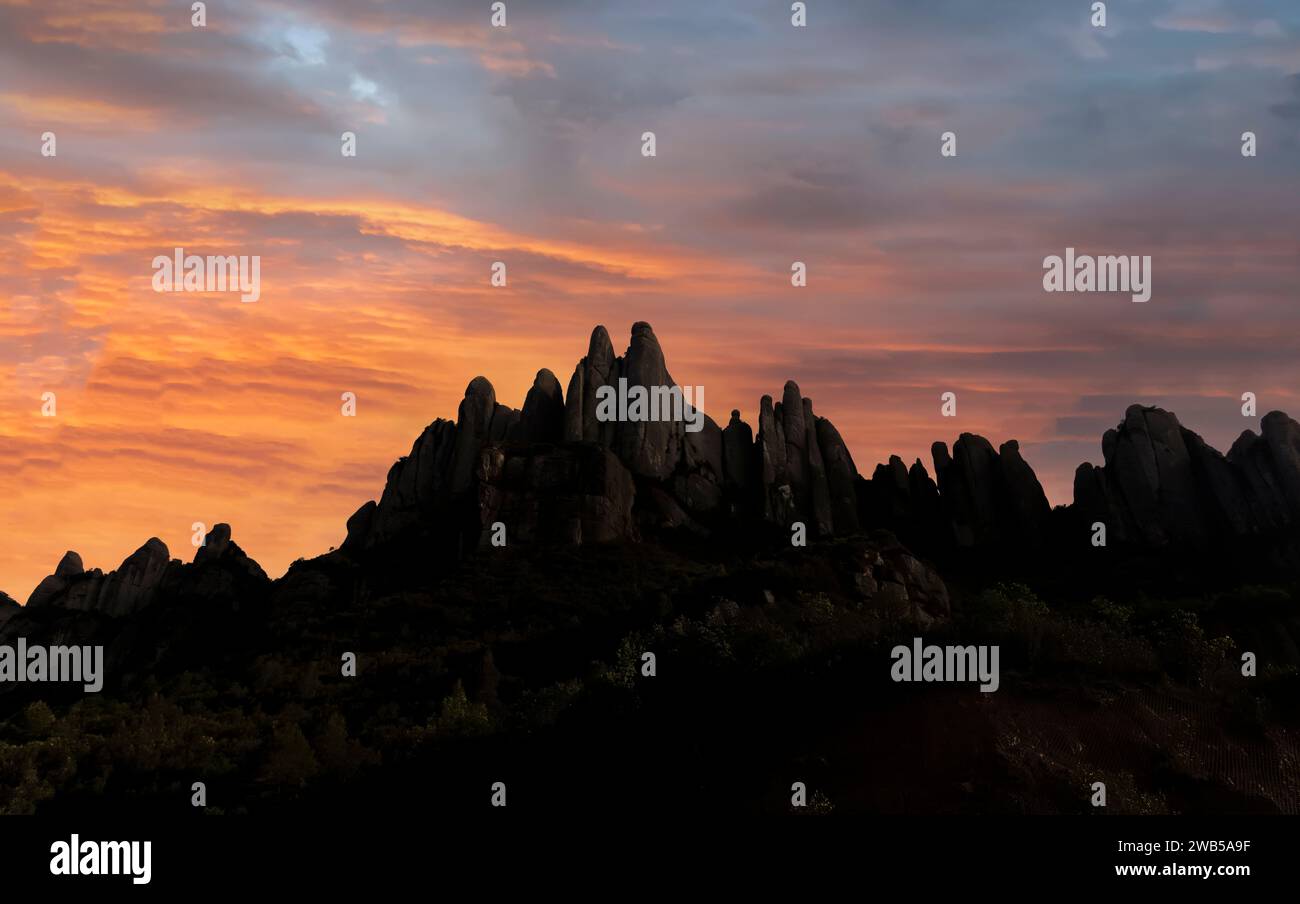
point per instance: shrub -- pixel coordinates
(38, 719)
(1184, 650)
(460, 717)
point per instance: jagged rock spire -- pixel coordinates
(797, 469)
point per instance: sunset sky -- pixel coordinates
(523, 144)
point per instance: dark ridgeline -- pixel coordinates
(1161, 486)
(477, 661)
(556, 475)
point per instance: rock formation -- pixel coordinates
(559, 471)
(556, 473)
(222, 574)
(980, 498)
(597, 369)
(896, 581)
(542, 419)
(220, 569)
(1162, 485)
(571, 495)
(121, 592)
(133, 585)
(526, 469)
(804, 472)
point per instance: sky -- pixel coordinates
(522, 144)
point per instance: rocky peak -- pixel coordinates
(133, 585)
(1281, 435)
(1162, 484)
(600, 350)
(648, 448)
(805, 471)
(69, 566)
(215, 544)
(981, 497)
(542, 418)
(737, 457)
(798, 468)
(53, 586)
(597, 369)
(120, 592)
(474, 426)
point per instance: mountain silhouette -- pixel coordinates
(553, 473)
(501, 591)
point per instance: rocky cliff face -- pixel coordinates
(221, 572)
(530, 470)
(127, 589)
(898, 582)
(804, 472)
(1162, 486)
(982, 497)
(571, 494)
